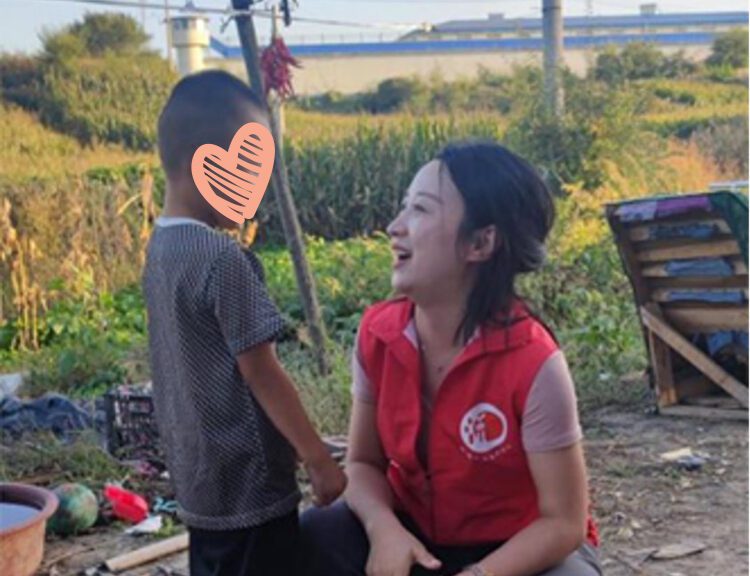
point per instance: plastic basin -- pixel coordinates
(22, 541)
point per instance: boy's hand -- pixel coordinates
(327, 479)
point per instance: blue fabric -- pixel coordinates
(696, 231)
(722, 296)
(699, 267)
(716, 341)
(51, 412)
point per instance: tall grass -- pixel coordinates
(34, 152)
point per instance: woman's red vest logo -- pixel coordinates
(483, 428)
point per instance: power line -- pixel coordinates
(192, 9)
(624, 5)
(456, 2)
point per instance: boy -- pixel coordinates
(229, 417)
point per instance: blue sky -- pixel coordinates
(23, 20)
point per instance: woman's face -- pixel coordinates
(426, 264)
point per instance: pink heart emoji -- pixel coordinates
(234, 181)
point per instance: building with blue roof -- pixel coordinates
(460, 48)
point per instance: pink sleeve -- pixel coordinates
(550, 417)
(361, 386)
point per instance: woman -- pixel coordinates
(465, 448)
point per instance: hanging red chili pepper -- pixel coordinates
(276, 62)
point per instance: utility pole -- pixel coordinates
(280, 187)
(590, 32)
(553, 48)
(169, 32)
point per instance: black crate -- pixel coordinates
(130, 428)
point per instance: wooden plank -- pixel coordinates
(148, 553)
(725, 402)
(643, 232)
(688, 250)
(697, 282)
(670, 336)
(707, 318)
(632, 266)
(658, 270)
(661, 364)
(663, 294)
(704, 412)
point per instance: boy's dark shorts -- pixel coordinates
(271, 549)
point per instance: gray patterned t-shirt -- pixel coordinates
(207, 303)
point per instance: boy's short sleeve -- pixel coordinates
(237, 294)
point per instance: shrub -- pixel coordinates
(730, 50)
(20, 80)
(598, 129)
(727, 143)
(637, 61)
(395, 94)
(113, 99)
(94, 81)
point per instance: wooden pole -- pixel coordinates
(280, 187)
(148, 553)
(275, 103)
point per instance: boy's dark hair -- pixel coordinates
(204, 108)
(499, 189)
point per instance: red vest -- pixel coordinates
(477, 486)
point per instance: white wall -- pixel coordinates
(348, 74)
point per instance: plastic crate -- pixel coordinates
(130, 428)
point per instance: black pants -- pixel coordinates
(335, 544)
(271, 549)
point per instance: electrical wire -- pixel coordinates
(192, 9)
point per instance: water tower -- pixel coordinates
(190, 38)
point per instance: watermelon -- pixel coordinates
(77, 511)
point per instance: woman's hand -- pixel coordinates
(394, 551)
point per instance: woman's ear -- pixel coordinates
(484, 243)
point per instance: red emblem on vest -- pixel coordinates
(483, 428)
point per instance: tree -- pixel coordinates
(730, 49)
(61, 46)
(97, 35)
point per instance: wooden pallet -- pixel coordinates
(677, 310)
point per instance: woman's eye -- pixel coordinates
(419, 208)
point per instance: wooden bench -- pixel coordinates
(686, 258)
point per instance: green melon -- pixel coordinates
(77, 511)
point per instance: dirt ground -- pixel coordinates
(644, 505)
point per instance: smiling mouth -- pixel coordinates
(400, 256)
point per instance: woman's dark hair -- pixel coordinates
(503, 190)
